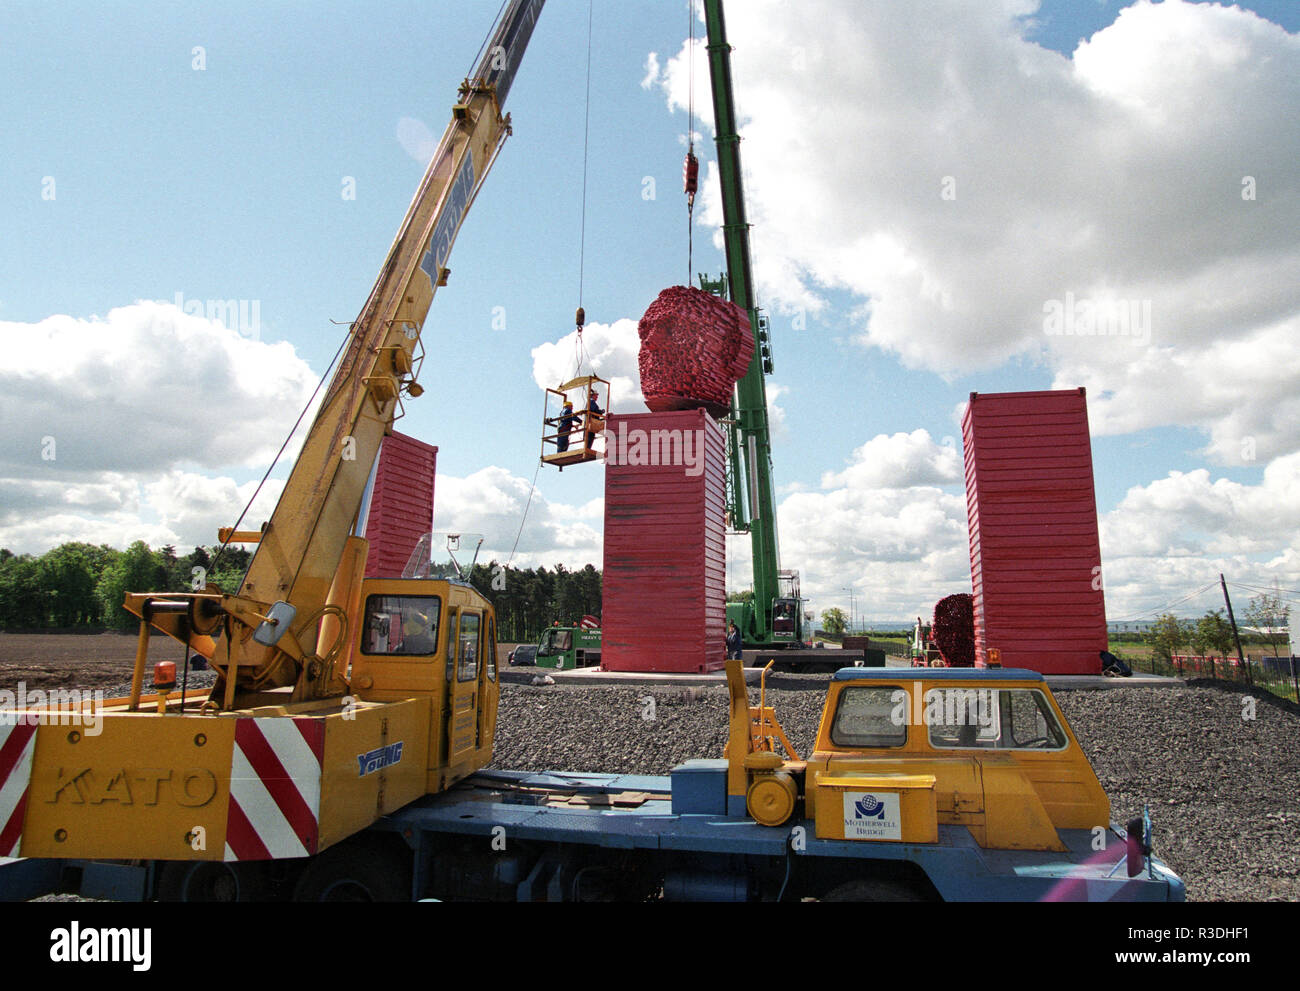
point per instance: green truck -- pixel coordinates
(565, 648)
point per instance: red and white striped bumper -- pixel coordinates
(275, 788)
(17, 744)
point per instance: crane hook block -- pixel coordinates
(691, 175)
(582, 318)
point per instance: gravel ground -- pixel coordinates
(1222, 788)
(1224, 791)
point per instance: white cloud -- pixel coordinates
(492, 502)
(900, 549)
(1191, 514)
(176, 507)
(143, 389)
(1113, 174)
(417, 140)
(611, 352)
(892, 526)
(900, 461)
(775, 411)
(122, 428)
(652, 71)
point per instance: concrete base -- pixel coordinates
(1094, 682)
(595, 677)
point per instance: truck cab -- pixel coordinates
(988, 750)
(918, 770)
(565, 648)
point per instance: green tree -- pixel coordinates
(589, 582)
(1168, 635)
(1212, 635)
(67, 586)
(834, 620)
(1270, 616)
(21, 602)
(138, 569)
(225, 570)
(568, 605)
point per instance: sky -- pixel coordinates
(928, 183)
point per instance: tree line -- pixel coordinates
(81, 586)
(528, 600)
(1211, 634)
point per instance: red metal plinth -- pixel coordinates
(663, 599)
(1034, 548)
(401, 505)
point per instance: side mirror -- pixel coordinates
(1138, 847)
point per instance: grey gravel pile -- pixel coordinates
(607, 729)
(1223, 791)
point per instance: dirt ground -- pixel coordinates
(102, 660)
(71, 660)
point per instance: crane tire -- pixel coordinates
(355, 873)
(213, 881)
(873, 890)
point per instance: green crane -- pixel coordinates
(775, 617)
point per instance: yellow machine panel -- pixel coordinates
(897, 808)
(145, 786)
(277, 782)
(374, 764)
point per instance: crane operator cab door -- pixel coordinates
(427, 639)
(785, 620)
(469, 666)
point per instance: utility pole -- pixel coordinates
(1235, 636)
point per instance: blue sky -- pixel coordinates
(1076, 166)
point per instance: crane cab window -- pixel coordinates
(467, 661)
(451, 647)
(783, 616)
(992, 719)
(870, 717)
(401, 625)
(556, 642)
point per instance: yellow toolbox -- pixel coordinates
(887, 807)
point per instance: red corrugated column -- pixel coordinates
(664, 585)
(401, 506)
(1034, 548)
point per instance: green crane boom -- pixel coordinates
(750, 497)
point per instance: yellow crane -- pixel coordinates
(338, 698)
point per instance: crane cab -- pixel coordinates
(433, 641)
(573, 420)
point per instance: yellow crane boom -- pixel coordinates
(271, 624)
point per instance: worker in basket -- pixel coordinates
(568, 423)
(595, 418)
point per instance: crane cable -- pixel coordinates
(586, 146)
(347, 338)
(1168, 605)
(691, 170)
(579, 348)
(524, 519)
